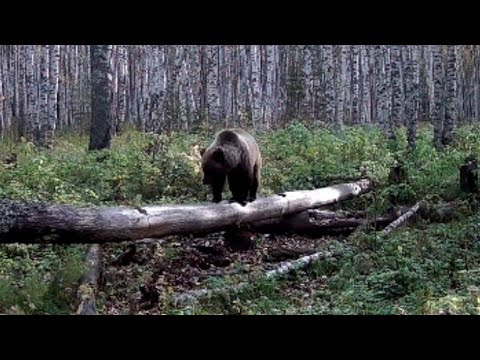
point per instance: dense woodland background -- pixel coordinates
(322, 114)
(46, 88)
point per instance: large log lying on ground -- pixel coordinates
(41, 223)
(320, 222)
(324, 222)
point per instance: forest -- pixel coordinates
(368, 191)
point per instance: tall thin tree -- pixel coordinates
(101, 123)
(451, 95)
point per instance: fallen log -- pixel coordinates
(42, 223)
(312, 223)
(442, 213)
(320, 222)
(402, 219)
(439, 213)
(89, 283)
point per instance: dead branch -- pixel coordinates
(402, 219)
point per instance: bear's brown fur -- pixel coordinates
(234, 155)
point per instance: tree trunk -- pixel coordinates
(412, 79)
(101, 126)
(451, 95)
(355, 119)
(437, 95)
(397, 93)
(54, 56)
(341, 76)
(329, 84)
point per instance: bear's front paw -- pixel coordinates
(241, 202)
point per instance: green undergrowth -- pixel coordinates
(426, 268)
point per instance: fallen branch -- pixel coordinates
(290, 266)
(402, 219)
(41, 223)
(89, 283)
(283, 254)
(283, 269)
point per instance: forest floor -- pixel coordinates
(422, 268)
(190, 263)
(426, 267)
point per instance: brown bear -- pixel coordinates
(234, 155)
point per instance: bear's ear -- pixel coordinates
(202, 151)
(218, 155)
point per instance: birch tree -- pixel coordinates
(451, 95)
(411, 100)
(45, 88)
(329, 84)
(437, 95)
(397, 92)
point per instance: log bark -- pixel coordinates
(41, 223)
